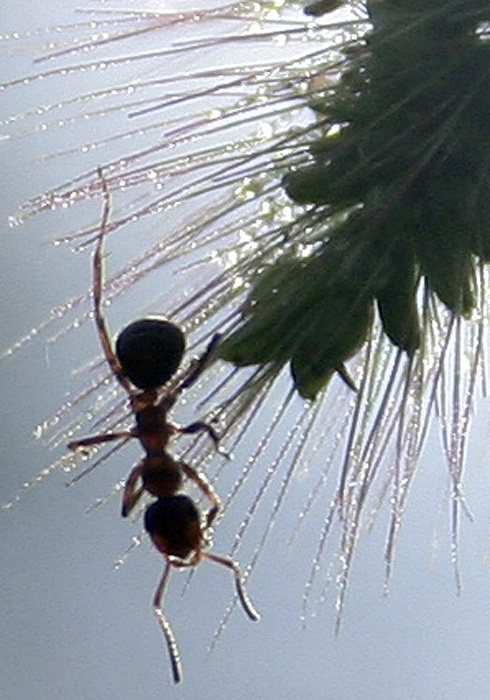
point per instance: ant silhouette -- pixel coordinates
(148, 353)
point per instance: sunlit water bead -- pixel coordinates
(325, 447)
(104, 412)
(136, 541)
(42, 204)
(101, 500)
(57, 314)
(28, 337)
(50, 201)
(303, 431)
(64, 463)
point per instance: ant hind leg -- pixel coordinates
(173, 648)
(247, 604)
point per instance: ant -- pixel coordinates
(173, 523)
(148, 353)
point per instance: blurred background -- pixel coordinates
(74, 627)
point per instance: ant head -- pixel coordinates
(150, 351)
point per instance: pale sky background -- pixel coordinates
(73, 628)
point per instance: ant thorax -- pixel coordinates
(152, 428)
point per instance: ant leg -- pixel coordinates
(99, 439)
(94, 465)
(98, 273)
(173, 648)
(201, 481)
(247, 604)
(198, 365)
(131, 494)
(201, 426)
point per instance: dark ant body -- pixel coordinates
(148, 353)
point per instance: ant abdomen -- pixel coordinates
(150, 351)
(174, 525)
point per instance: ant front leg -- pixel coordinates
(198, 365)
(100, 439)
(98, 287)
(202, 482)
(198, 427)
